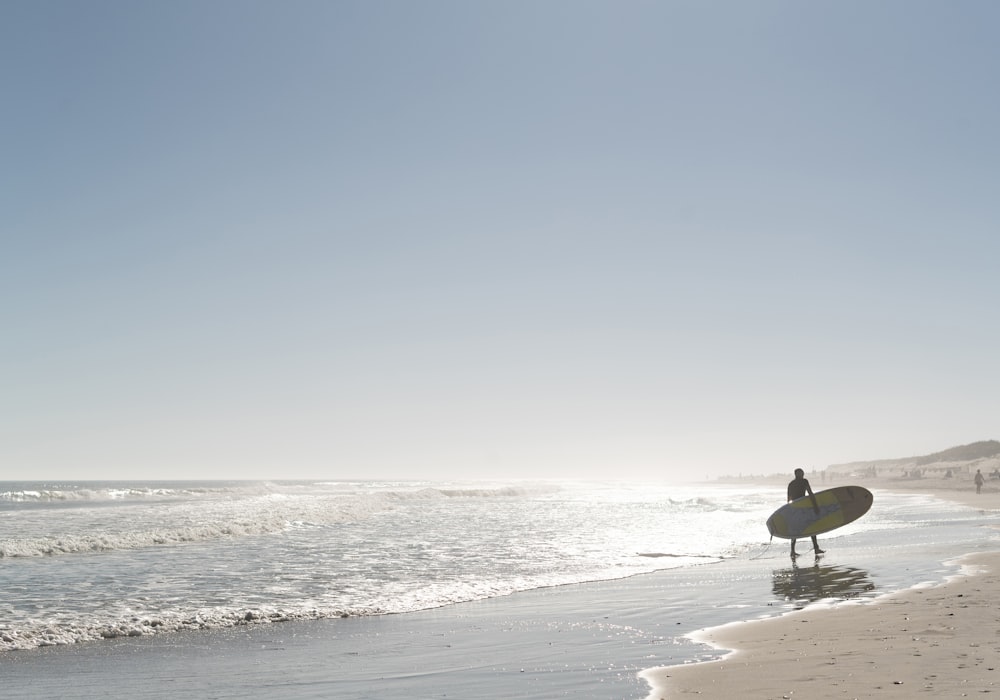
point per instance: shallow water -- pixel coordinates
(319, 551)
(91, 560)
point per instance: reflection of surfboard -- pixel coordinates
(837, 507)
(814, 583)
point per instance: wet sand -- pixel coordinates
(939, 642)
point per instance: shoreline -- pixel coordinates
(939, 640)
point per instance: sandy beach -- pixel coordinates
(941, 642)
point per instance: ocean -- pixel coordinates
(378, 565)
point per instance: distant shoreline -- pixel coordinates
(959, 488)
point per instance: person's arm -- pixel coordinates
(813, 497)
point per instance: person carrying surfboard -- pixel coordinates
(797, 488)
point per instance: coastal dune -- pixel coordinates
(939, 642)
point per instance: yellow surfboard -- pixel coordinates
(837, 507)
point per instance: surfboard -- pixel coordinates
(837, 507)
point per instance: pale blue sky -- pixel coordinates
(495, 239)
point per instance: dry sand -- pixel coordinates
(939, 642)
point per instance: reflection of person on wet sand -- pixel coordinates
(808, 584)
(797, 488)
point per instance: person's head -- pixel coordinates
(799, 473)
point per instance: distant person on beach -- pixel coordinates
(797, 488)
(979, 481)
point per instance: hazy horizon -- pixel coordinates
(674, 478)
(250, 240)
